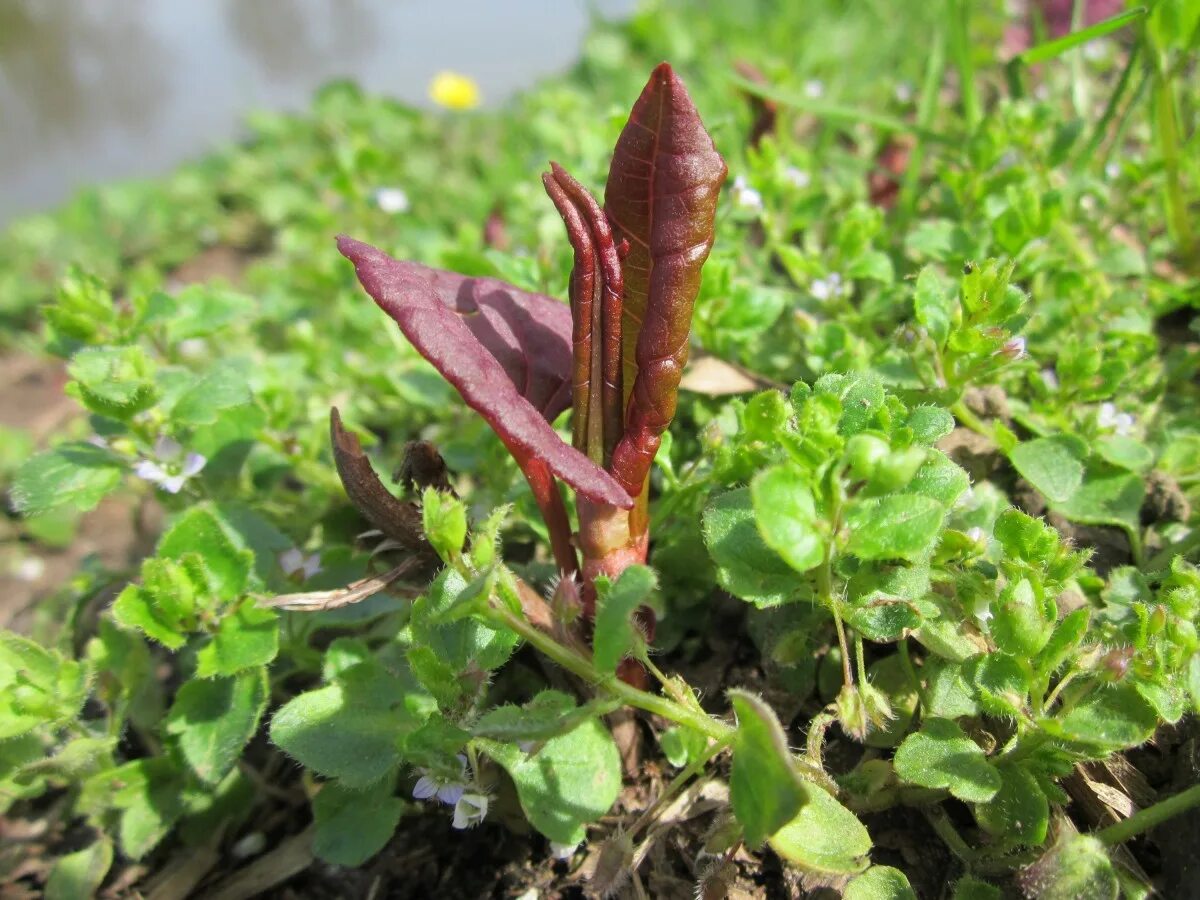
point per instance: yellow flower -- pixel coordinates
(454, 91)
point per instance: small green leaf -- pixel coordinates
(222, 387)
(572, 780)
(113, 381)
(245, 639)
(1051, 464)
(1019, 813)
(1076, 866)
(1108, 496)
(898, 526)
(968, 888)
(1125, 452)
(940, 479)
(352, 826)
(75, 474)
(201, 531)
(824, 836)
(765, 789)
(933, 306)
(136, 610)
(880, 883)
(746, 566)
(80, 874)
(930, 424)
(548, 714)
(682, 745)
(1019, 627)
(212, 721)
(787, 517)
(445, 522)
(351, 729)
(616, 635)
(1107, 720)
(940, 755)
(149, 793)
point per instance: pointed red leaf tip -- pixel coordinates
(415, 296)
(662, 193)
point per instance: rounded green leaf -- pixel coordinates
(880, 883)
(941, 755)
(764, 787)
(1051, 464)
(746, 566)
(787, 517)
(824, 836)
(898, 526)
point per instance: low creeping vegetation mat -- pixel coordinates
(835, 534)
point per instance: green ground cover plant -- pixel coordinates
(908, 546)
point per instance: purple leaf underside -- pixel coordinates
(507, 352)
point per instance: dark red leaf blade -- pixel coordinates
(661, 197)
(528, 334)
(414, 298)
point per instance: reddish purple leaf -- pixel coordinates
(528, 334)
(434, 310)
(661, 196)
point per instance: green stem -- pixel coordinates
(1167, 120)
(945, 830)
(911, 671)
(1110, 109)
(969, 419)
(577, 665)
(684, 776)
(960, 47)
(1150, 817)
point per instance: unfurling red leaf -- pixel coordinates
(411, 295)
(661, 197)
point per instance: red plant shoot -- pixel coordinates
(615, 355)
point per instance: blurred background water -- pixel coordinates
(94, 91)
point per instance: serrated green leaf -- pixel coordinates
(616, 635)
(148, 793)
(1019, 626)
(135, 609)
(880, 883)
(746, 566)
(538, 719)
(211, 721)
(940, 479)
(352, 826)
(460, 643)
(898, 526)
(572, 780)
(787, 517)
(75, 474)
(941, 755)
(245, 639)
(765, 790)
(113, 381)
(201, 531)
(1053, 465)
(351, 730)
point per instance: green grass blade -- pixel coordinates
(839, 113)
(1057, 47)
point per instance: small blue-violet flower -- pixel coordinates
(166, 469)
(296, 565)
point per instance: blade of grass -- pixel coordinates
(931, 86)
(838, 113)
(1057, 47)
(958, 15)
(1110, 108)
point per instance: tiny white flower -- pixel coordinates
(193, 348)
(1013, 348)
(391, 200)
(446, 790)
(29, 569)
(814, 88)
(526, 746)
(294, 562)
(470, 809)
(746, 197)
(904, 92)
(976, 534)
(1050, 379)
(826, 288)
(1109, 419)
(251, 845)
(1113, 171)
(1096, 50)
(797, 178)
(562, 851)
(982, 611)
(1041, 92)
